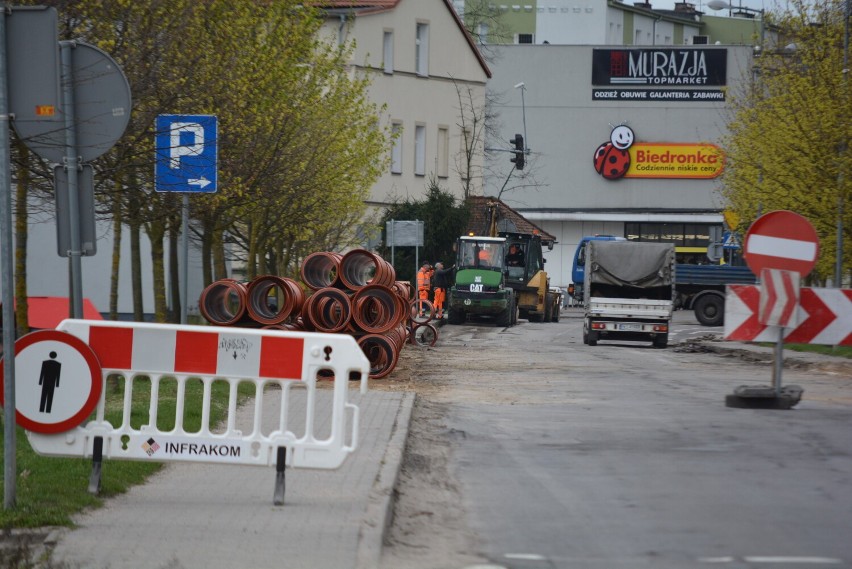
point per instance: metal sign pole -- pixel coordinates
(778, 368)
(71, 166)
(184, 270)
(6, 268)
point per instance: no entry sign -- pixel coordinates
(57, 381)
(781, 240)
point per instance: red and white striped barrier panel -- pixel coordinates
(779, 297)
(282, 365)
(823, 316)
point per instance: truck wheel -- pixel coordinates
(548, 308)
(710, 310)
(515, 312)
(556, 309)
(455, 316)
(661, 341)
(504, 319)
(592, 339)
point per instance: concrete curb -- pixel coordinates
(379, 512)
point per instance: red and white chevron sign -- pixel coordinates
(779, 297)
(824, 316)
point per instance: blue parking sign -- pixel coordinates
(186, 155)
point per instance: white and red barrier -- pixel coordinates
(823, 316)
(277, 363)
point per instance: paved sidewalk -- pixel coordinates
(222, 517)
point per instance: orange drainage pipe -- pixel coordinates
(377, 309)
(321, 270)
(223, 303)
(360, 267)
(381, 352)
(289, 295)
(327, 310)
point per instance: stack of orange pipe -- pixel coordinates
(356, 293)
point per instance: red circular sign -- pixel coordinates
(58, 381)
(781, 240)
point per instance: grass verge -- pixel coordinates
(838, 351)
(50, 490)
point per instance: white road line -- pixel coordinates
(525, 556)
(774, 559)
(790, 559)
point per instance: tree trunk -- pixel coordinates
(174, 271)
(136, 252)
(251, 256)
(21, 218)
(117, 213)
(207, 251)
(156, 233)
(220, 268)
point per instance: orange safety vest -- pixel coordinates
(423, 278)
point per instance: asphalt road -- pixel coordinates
(620, 455)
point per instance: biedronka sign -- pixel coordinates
(621, 157)
(649, 160)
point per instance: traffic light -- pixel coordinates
(518, 158)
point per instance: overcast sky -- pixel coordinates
(701, 5)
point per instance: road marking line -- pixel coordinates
(525, 556)
(788, 559)
(715, 559)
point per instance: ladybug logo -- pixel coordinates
(612, 160)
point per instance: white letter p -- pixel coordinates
(176, 149)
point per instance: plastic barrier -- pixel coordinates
(276, 362)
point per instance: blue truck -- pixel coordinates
(700, 288)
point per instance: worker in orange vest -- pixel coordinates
(441, 281)
(424, 283)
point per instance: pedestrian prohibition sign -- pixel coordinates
(58, 381)
(781, 240)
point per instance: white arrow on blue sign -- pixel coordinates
(186, 155)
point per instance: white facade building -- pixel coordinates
(421, 62)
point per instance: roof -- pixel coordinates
(46, 312)
(357, 6)
(368, 7)
(686, 14)
(508, 220)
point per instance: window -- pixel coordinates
(421, 62)
(420, 150)
(396, 151)
(443, 152)
(525, 38)
(387, 53)
(482, 32)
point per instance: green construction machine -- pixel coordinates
(502, 277)
(480, 284)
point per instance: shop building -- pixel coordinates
(623, 140)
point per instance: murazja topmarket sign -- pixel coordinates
(660, 67)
